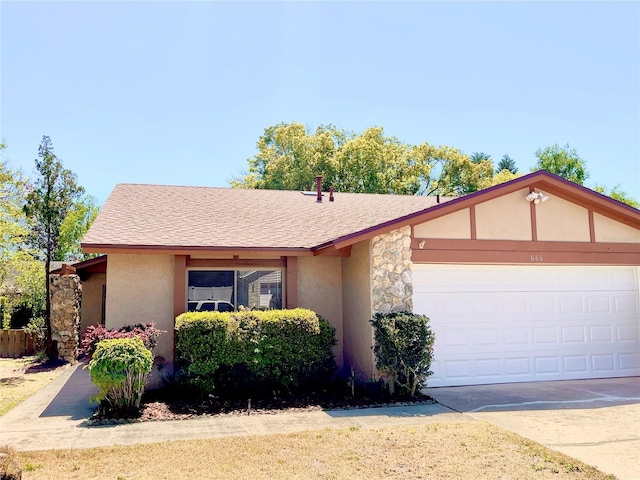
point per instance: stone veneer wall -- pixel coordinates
(392, 284)
(66, 294)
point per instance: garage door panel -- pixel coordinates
(600, 333)
(630, 362)
(544, 335)
(507, 331)
(625, 304)
(527, 278)
(545, 365)
(575, 364)
(599, 304)
(573, 334)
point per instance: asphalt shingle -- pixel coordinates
(206, 217)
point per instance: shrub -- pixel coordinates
(147, 332)
(36, 325)
(274, 348)
(207, 341)
(403, 349)
(119, 368)
(9, 468)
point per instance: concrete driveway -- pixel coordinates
(595, 421)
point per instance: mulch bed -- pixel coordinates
(161, 405)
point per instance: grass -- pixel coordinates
(21, 378)
(444, 451)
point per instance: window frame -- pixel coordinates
(235, 270)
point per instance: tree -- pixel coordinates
(48, 202)
(479, 157)
(290, 156)
(507, 163)
(466, 176)
(12, 190)
(74, 226)
(563, 161)
(617, 194)
(503, 176)
(21, 274)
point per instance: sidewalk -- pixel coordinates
(54, 419)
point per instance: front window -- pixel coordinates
(226, 290)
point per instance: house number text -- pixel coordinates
(537, 258)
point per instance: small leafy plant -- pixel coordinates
(403, 349)
(119, 368)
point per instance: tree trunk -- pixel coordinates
(50, 349)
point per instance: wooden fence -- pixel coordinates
(17, 343)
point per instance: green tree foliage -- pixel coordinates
(465, 177)
(617, 194)
(479, 157)
(77, 222)
(48, 202)
(563, 161)
(507, 163)
(13, 228)
(503, 176)
(21, 274)
(290, 156)
(23, 286)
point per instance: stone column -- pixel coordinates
(66, 296)
(392, 284)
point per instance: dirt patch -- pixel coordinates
(167, 405)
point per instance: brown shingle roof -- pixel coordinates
(204, 217)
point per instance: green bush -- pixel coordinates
(403, 349)
(119, 368)
(269, 349)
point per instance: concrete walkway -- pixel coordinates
(54, 419)
(595, 421)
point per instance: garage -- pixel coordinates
(521, 323)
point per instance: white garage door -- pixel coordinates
(499, 324)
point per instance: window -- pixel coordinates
(225, 290)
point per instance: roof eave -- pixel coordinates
(109, 248)
(539, 179)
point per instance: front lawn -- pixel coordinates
(442, 451)
(22, 377)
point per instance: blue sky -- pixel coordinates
(179, 92)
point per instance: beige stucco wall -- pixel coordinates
(91, 312)
(140, 289)
(455, 225)
(558, 220)
(504, 218)
(610, 231)
(320, 290)
(358, 332)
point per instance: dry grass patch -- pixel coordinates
(442, 451)
(21, 378)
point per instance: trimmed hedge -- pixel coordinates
(256, 350)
